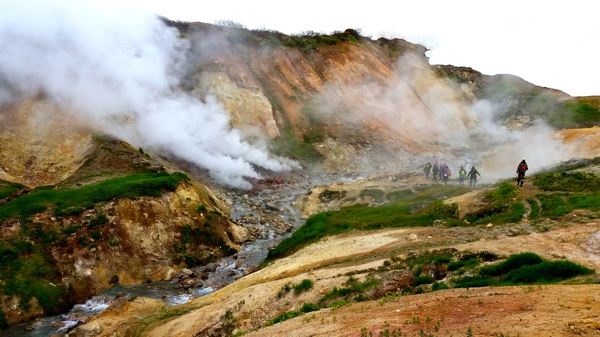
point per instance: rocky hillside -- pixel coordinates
(346, 102)
(338, 104)
(90, 234)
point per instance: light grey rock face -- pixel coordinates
(249, 109)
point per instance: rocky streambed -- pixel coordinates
(266, 211)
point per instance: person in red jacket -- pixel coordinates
(521, 169)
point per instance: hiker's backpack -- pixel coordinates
(448, 172)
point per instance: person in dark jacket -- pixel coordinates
(521, 169)
(434, 170)
(473, 173)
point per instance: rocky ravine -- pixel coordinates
(560, 310)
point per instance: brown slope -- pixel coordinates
(527, 310)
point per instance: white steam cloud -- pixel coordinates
(437, 119)
(120, 69)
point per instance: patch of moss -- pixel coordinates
(65, 201)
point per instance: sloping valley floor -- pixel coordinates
(243, 307)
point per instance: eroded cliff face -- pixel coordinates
(141, 241)
(40, 145)
(357, 102)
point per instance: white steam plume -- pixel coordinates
(421, 108)
(120, 69)
(506, 148)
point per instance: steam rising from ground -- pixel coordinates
(436, 119)
(120, 69)
(501, 149)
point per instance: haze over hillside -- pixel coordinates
(124, 74)
(119, 72)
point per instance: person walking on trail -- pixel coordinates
(427, 169)
(462, 174)
(446, 173)
(434, 170)
(441, 171)
(473, 173)
(521, 169)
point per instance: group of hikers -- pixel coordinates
(442, 172)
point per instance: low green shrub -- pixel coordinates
(444, 259)
(423, 258)
(199, 235)
(455, 265)
(303, 286)
(503, 192)
(284, 317)
(71, 229)
(439, 286)
(475, 281)
(23, 247)
(354, 288)
(523, 268)
(574, 181)
(585, 201)
(96, 235)
(512, 263)
(7, 189)
(422, 280)
(555, 205)
(444, 209)
(98, 221)
(306, 307)
(309, 307)
(546, 272)
(41, 234)
(83, 240)
(32, 275)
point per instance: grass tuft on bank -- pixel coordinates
(65, 202)
(413, 210)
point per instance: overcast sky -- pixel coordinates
(549, 43)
